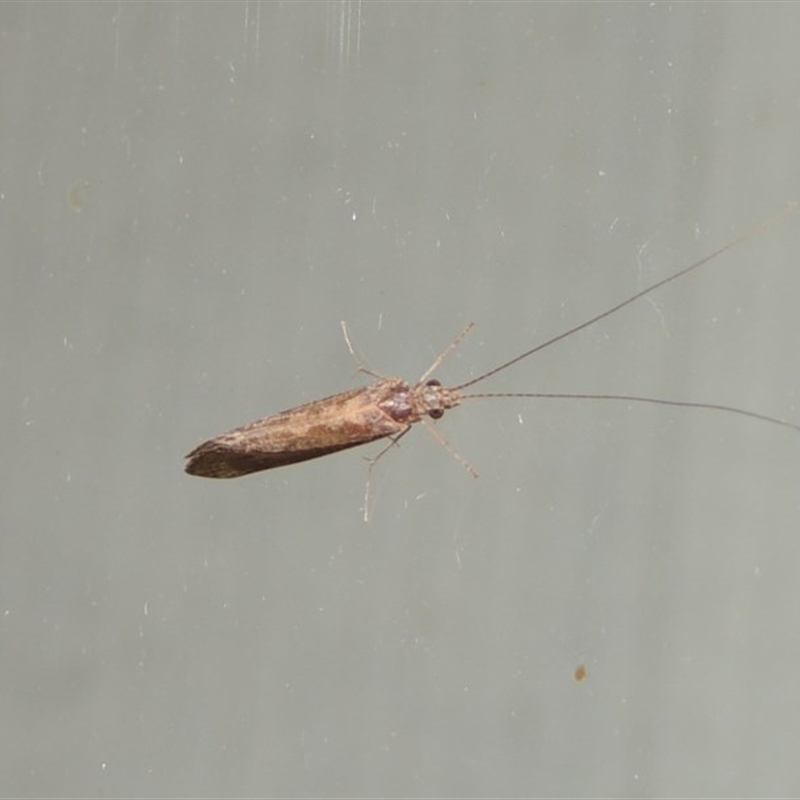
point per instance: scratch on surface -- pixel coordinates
(654, 305)
(255, 25)
(117, 21)
(344, 33)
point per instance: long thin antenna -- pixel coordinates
(632, 398)
(790, 207)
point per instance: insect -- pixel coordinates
(388, 408)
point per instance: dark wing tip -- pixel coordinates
(210, 461)
(222, 458)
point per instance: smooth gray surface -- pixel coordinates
(193, 195)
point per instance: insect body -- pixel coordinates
(387, 408)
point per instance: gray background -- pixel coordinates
(193, 195)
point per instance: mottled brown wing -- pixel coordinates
(317, 429)
(218, 460)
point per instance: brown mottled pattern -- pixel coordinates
(349, 419)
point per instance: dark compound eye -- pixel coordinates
(435, 413)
